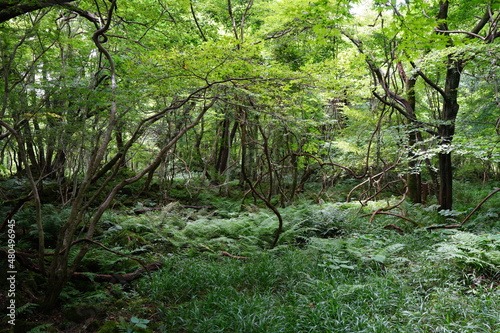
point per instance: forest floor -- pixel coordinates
(336, 268)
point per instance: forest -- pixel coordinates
(249, 166)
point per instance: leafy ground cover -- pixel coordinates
(336, 269)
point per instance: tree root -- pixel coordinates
(458, 226)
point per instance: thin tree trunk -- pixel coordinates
(224, 146)
(414, 177)
(446, 132)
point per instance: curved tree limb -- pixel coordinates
(369, 179)
(395, 227)
(385, 209)
(396, 215)
(12, 9)
(83, 13)
(468, 33)
(428, 81)
(267, 201)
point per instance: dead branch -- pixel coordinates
(227, 254)
(380, 190)
(395, 227)
(384, 211)
(403, 198)
(370, 179)
(479, 206)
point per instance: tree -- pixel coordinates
(97, 96)
(92, 110)
(98, 121)
(408, 42)
(11, 9)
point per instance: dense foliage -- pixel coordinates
(266, 165)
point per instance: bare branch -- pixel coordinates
(468, 33)
(479, 206)
(83, 13)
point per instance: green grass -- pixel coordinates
(296, 290)
(360, 278)
(334, 270)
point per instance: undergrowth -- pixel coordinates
(336, 268)
(332, 271)
(341, 287)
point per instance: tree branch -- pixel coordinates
(428, 81)
(479, 206)
(196, 21)
(468, 33)
(83, 13)
(10, 10)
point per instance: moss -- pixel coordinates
(109, 327)
(120, 304)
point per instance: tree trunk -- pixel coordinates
(414, 178)
(224, 146)
(57, 279)
(445, 181)
(447, 130)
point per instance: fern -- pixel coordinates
(40, 328)
(481, 253)
(26, 308)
